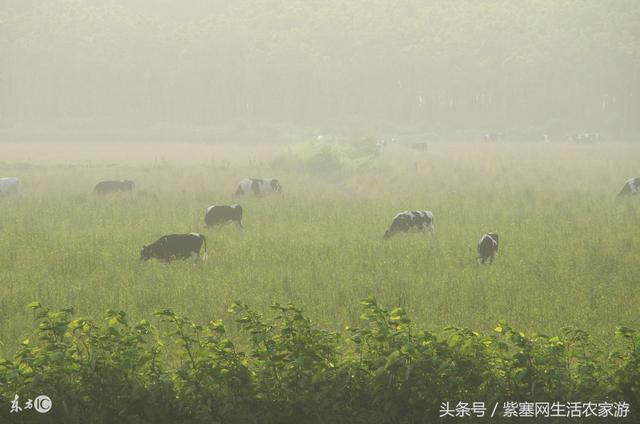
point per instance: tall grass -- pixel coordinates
(569, 251)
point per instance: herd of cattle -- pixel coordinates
(183, 246)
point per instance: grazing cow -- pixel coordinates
(631, 186)
(224, 214)
(175, 246)
(258, 186)
(9, 186)
(488, 248)
(407, 220)
(490, 137)
(106, 187)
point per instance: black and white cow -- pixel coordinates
(106, 187)
(408, 220)
(175, 246)
(258, 186)
(631, 186)
(224, 214)
(9, 186)
(488, 248)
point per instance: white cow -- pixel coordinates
(631, 186)
(9, 186)
(258, 186)
(409, 220)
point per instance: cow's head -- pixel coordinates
(387, 234)
(276, 186)
(146, 253)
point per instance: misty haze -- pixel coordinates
(319, 211)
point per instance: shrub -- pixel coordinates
(384, 371)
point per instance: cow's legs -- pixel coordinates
(238, 225)
(195, 257)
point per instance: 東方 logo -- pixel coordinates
(41, 404)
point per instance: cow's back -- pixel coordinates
(9, 186)
(179, 245)
(219, 214)
(105, 187)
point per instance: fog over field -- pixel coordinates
(376, 150)
(360, 109)
(273, 70)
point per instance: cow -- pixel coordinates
(583, 138)
(175, 246)
(9, 186)
(491, 137)
(106, 187)
(487, 248)
(258, 186)
(407, 220)
(631, 186)
(224, 214)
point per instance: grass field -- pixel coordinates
(569, 251)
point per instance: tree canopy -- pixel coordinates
(437, 64)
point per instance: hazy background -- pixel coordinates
(268, 70)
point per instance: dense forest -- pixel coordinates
(547, 64)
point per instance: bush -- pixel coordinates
(385, 371)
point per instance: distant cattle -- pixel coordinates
(408, 220)
(9, 186)
(224, 214)
(420, 146)
(490, 137)
(488, 248)
(258, 186)
(631, 186)
(106, 187)
(175, 246)
(584, 138)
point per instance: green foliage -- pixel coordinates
(325, 161)
(383, 371)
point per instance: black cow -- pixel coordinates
(488, 248)
(631, 186)
(224, 214)
(407, 220)
(175, 246)
(258, 186)
(106, 187)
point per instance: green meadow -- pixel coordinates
(569, 250)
